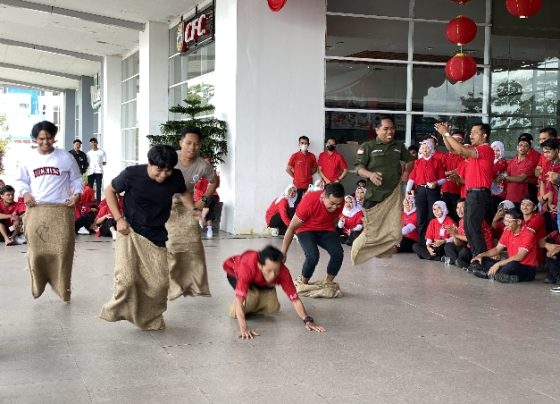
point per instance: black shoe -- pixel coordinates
(549, 280)
(460, 263)
(480, 274)
(505, 278)
(474, 267)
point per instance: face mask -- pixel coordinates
(331, 147)
(303, 147)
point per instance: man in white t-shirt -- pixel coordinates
(96, 160)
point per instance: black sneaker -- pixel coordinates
(549, 280)
(505, 278)
(474, 267)
(460, 263)
(480, 274)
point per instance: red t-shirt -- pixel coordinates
(537, 225)
(13, 209)
(461, 168)
(245, 268)
(303, 164)
(314, 215)
(201, 186)
(515, 190)
(451, 162)
(478, 171)
(437, 231)
(425, 171)
(350, 222)
(535, 157)
(332, 165)
(526, 240)
(548, 186)
(410, 219)
(499, 188)
(281, 208)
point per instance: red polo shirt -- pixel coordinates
(332, 165)
(410, 219)
(525, 240)
(13, 209)
(314, 215)
(281, 208)
(245, 268)
(499, 188)
(303, 165)
(548, 186)
(425, 171)
(486, 232)
(437, 230)
(535, 158)
(478, 170)
(451, 162)
(515, 190)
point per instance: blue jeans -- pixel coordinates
(310, 242)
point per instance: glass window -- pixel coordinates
(367, 38)
(432, 92)
(365, 85)
(130, 146)
(394, 8)
(431, 44)
(358, 127)
(423, 125)
(446, 10)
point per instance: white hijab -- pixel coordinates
(412, 201)
(355, 207)
(291, 201)
(443, 208)
(501, 147)
(430, 146)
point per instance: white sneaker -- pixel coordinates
(83, 231)
(209, 232)
(114, 234)
(555, 289)
(201, 223)
(20, 240)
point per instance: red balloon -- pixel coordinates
(460, 68)
(460, 30)
(523, 8)
(276, 5)
(461, 1)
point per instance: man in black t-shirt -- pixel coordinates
(141, 274)
(79, 155)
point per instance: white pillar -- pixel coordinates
(111, 117)
(152, 105)
(270, 88)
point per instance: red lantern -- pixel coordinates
(523, 8)
(460, 68)
(461, 2)
(276, 5)
(460, 30)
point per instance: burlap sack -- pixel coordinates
(185, 255)
(382, 230)
(49, 230)
(322, 288)
(258, 301)
(140, 285)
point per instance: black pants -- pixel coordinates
(84, 221)
(105, 228)
(451, 202)
(476, 206)
(233, 282)
(422, 251)
(425, 199)
(553, 267)
(300, 192)
(328, 240)
(349, 240)
(525, 273)
(406, 245)
(277, 222)
(98, 179)
(454, 251)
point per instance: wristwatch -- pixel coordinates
(204, 198)
(308, 319)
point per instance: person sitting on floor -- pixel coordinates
(534, 221)
(280, 212)
(437, 234)
(498, 224)
(521, 246)
(409, 225)
(105, 222)
(11, 225)
(552, 262)
(351, 222)
(360, 195)
(459, 251)
(253, 275)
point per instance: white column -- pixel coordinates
(111, 117)
(270, 78)
(152, 105)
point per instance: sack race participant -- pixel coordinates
(51, 185)
(185, 252)
(253, 275)
(141, 274)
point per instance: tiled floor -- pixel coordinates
(405, 331)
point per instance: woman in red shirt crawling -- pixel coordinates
(351, 222)
(437, 234)
(280, 212)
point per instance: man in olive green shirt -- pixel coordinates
(379, 161)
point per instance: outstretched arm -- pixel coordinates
(310, 324)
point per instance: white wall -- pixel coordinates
(112, 142)
(270, 89)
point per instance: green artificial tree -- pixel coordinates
(199, 114)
